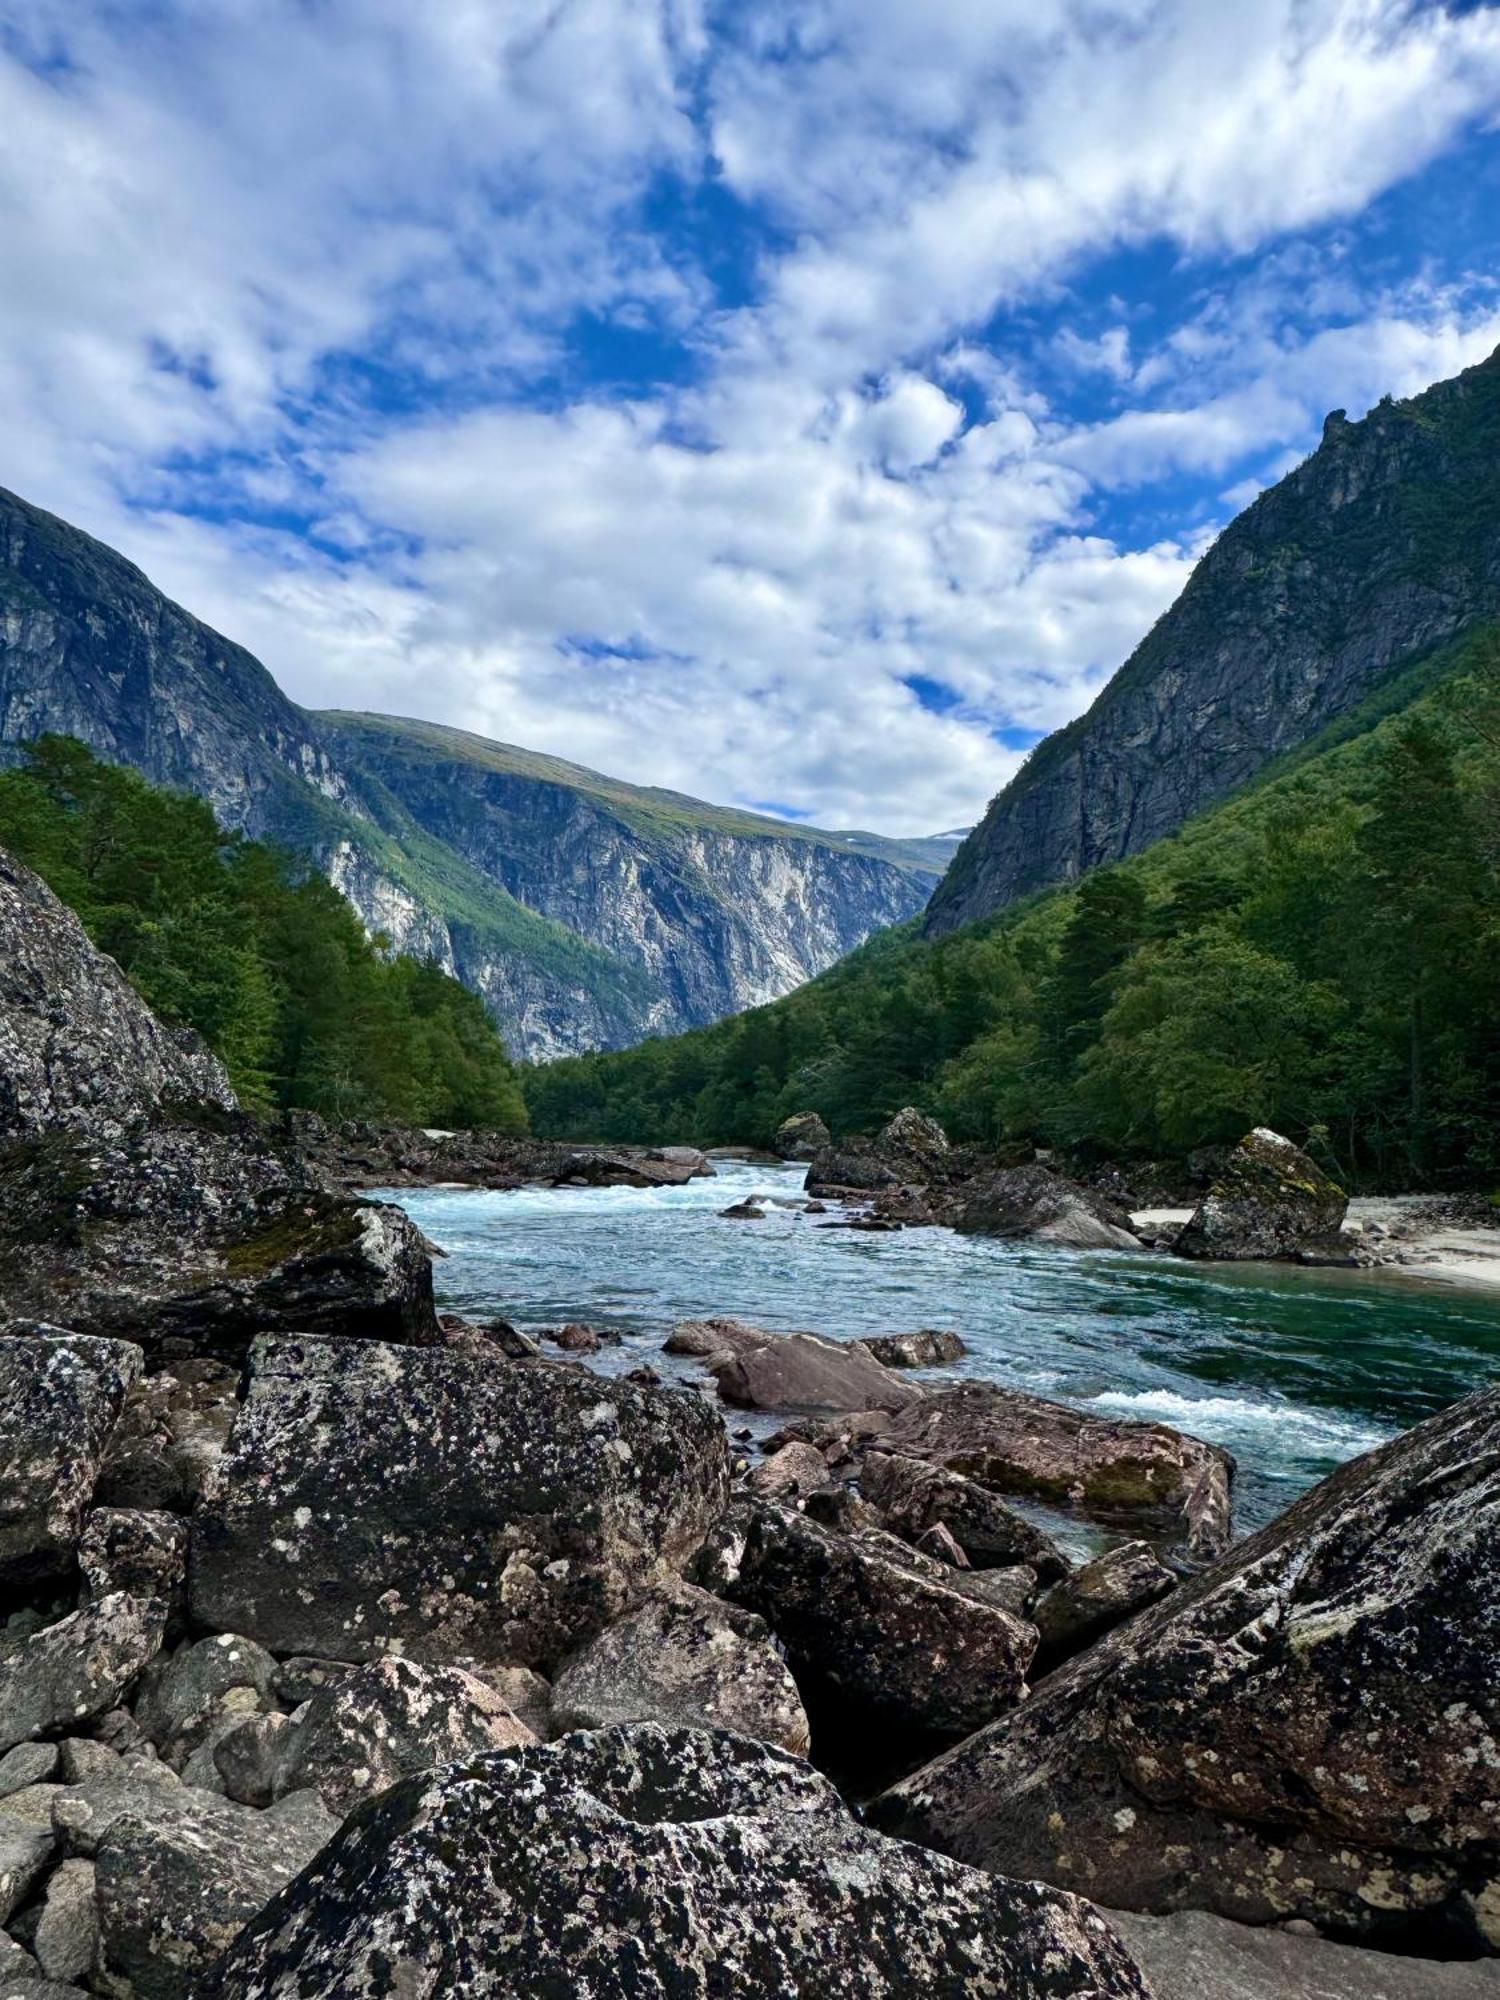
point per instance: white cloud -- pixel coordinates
(293, 263)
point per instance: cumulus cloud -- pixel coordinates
(326, 315)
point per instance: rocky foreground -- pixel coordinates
(353, 1651)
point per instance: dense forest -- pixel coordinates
(1320, 954)
(255, 950)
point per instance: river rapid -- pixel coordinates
(1293, 1370)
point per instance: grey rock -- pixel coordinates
(202, 1686)
(802, 1372)
(1193, 1956)
(914, 1497)
(78, 1667)
(300, 1678)
(27, 1764)
(60, 1397)
(173, 1893)
(686, 1659)
(546, 1502)
(705, 1865)
(790, 1474)
(1303, 1730)
(704, 1337)
(26, 1851)
(385, 1722)
(1327, 585)
(869, 1621)
(127, 1548)
(1035, 1203)
(1096, 1597)
(1133, 1474)
(801, 1136)
(82, 1815)
(523, 1691)
(1267, 1200)
(81, 1760)
(170, 1438)
(249, 1757)
(913, 1133)
(930, 1347)
(67, 1934)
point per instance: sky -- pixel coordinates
(803, 404)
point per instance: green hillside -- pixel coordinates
(1319, 953)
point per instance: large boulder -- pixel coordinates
(928, 1347)
(914, 1497)
(377, 1499)
(1268, 1199)
(876, 1630)
(170, 1437)
(686, 1658)
(1037, 1204)
(1101, 1594)
(800, 1372)
(61, 1395)
(915, 1136)
(655, 1863)
(1111, 1469)
(801, 1136)
(78, 1667)
(1307, 1729)
(854, 1166)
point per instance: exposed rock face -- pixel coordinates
(544, 1502)
(1267, 1200)
(686, 1659)
(802, 1372)
(869, 1620)
(61, 1395)
(1036, 1203)
(801, 1136)
(130, 1184)
(1192, 1956)
(915, 1496)
(706, 1865)
(1114, 1470)
(586, 912)
(1322, 588)
(1305, 1730)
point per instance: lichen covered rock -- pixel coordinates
(1035, 1203)
(61, 1395)
(1267, 1200)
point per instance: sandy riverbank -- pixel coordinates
(1423, 1236)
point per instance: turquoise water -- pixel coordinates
(1294, 1371)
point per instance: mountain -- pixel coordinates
(585, 911)
(1380, 547)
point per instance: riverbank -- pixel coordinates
(1442, 1239)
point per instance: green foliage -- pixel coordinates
(258, 953)
(1319, 954)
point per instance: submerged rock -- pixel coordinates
(378, 1499)
(1268, 1199)
(1141, 1474)
(1306, 1730)
(61, 1395)
(657, 1863)
(687, 1659)
(1036, 1203)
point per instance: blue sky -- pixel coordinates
(809, 402)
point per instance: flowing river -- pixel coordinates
(1293, 1370)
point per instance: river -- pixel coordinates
(1293, 1370)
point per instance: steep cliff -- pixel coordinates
(585, 911)
(1382, 545)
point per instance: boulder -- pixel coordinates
(61, 1395)
(173, 1894)
(624, 1170)
(703, 1337)
(920, 1138)
(1102, 1594)
(928, 1348)
(384, 1722)
(170, 1437)
(802, 1372)
(749, 1210)
(78, 1667)
(83, 1815)
(801, 1136)
(1035, 1203)
(1267, 1200)
(377, 1499)
(1193, 1956)
(1109, 1468)
(657, 1863)
(67, 1932)
(915, 1497)
(187, 1698)
(876, 1629)
(24, 1765)
(1305, 1730)
(686, 1659)
(790, 1474)
(853, 1167)
(125, 1548)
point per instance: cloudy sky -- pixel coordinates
(803, 403)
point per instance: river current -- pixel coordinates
(1293, 1370)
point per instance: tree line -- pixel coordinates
(1319, 954)
(253, 948)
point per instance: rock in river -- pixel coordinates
(915, 1497)
(437, 1503)
(803, 1373)
(1036, 1203)
(1308, 1729)
(1267, 1200)
(660, 1864)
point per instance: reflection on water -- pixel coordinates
(1292, 1370)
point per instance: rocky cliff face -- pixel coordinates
(1382, 545)
(586, 912)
